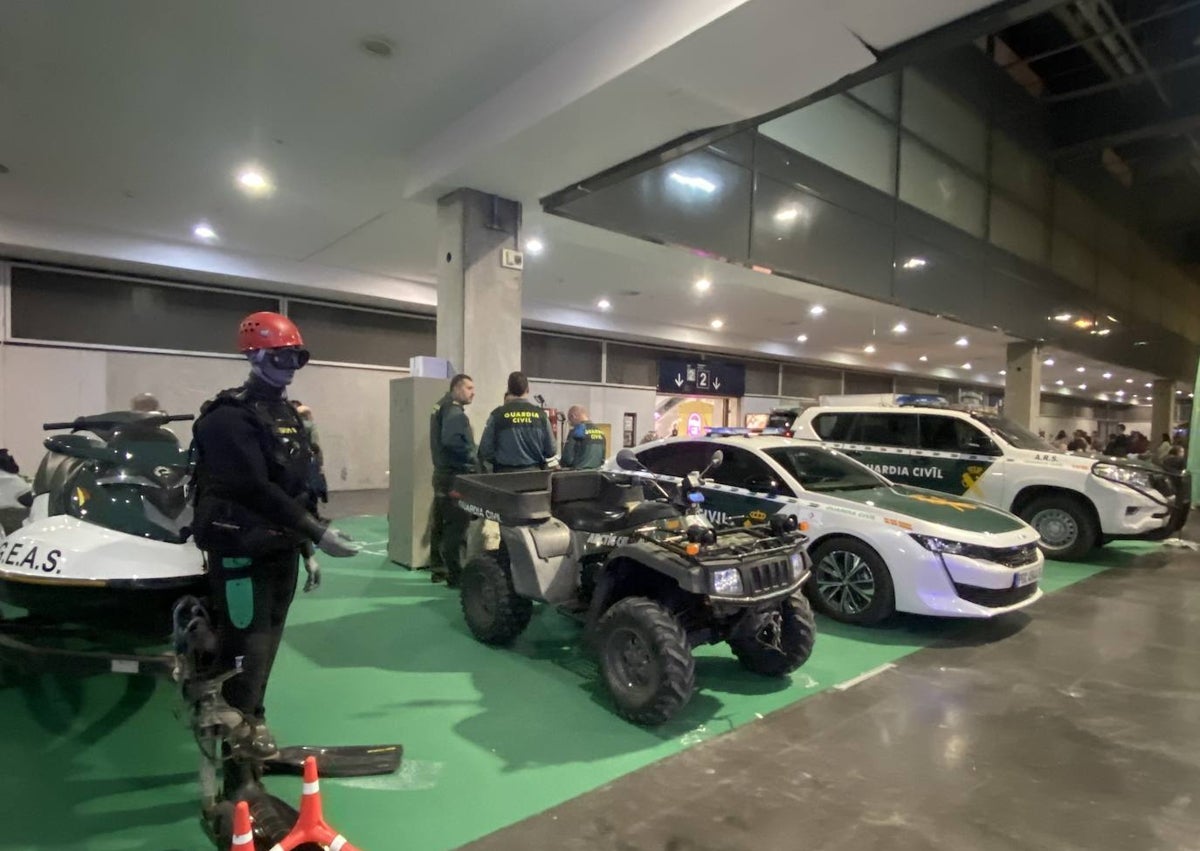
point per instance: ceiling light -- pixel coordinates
(1004, 372)
(914, 262)
(1141, 343)
(1048, 362)
(1112, 318)
(1083, 387)
(604, 304)
(1104, 332)
(693, 182)
(1060, 382)
(787, 214)
(254, 181)
(869, 348)
(1120, 392)
(923, 358)
(1062, 317)
(1148, 384)
(1128, 380)
(204, 231)
(717, 324)
(703, 285)
(1178, 392)
(1106, 375)
(803, 338)
(535, 246)
(378, 46)
(962, 341)
(816, 310)
(1082, 322)
(1081, 369)
(899, 328)
(966, 365)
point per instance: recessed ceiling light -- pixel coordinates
(204, 231)
(1148, 384)
(378, 46)
(1128, 380)
(1178, 392)
(535, 246)
(1060, 382)
(1141, 343)
(1048, 362)
(1120, 392)
(962, 341)
(1106, 375)
(254, 181)
(1004, 372)
(703, 285)
(816, 310)
(899, 328)
(914, 263)
(604, 304)
(923, 358)
(717, 324)
(1112, 318)
(1062, 317)
(1081, 369)
(1083, 387)
(1104, 332)
(693, 182)
(869, 348)
(966, 365)
(803, 338)
(787, 214)
(1082, 323)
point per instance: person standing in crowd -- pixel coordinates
(586, 447)
(1060, 441)
(1118, 445)
(1160, 451)
(517, 436)
(251, 477)
(452, 444)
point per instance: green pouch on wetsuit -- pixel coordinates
(239, 595)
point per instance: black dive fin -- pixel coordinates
(345, 761)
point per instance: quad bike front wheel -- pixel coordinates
(777, 641)
(494, 612)
(645, 660)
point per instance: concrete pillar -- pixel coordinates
(479, 299)
(1023, 384)
(1162, 414)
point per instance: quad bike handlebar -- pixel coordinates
(81, 423)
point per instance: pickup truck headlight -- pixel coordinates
(727, 582)
(1139, 479)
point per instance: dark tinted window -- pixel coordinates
(950, 434)
(743, 469)
(885, 429)
(677, 459)
(835, 427)
(819, 469)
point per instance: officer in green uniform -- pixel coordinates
(517, 436)
(586, 447)
(452, 443)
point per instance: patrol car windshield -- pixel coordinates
(1014, 434)
(819, 469)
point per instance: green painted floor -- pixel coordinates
(381, 655)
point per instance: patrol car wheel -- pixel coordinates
(645, 660)
(494, 612)
(1067, 528)
(850, 582)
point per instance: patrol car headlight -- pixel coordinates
(1123, 475)
(941, 545)
(727, 582)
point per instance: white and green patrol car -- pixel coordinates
(1075, 502)
(876, 547)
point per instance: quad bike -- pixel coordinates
(650, 578)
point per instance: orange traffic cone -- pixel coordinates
(311, 826)
(243, 834)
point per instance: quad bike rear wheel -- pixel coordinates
(494, 612)
(645, 660)
(778, 641)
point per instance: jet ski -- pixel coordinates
(106, 542)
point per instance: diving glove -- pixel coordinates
(329, 540)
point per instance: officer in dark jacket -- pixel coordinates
(586, 446)
(517, 436)
(252, 515)
(452, 443)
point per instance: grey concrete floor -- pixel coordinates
(1075, 725)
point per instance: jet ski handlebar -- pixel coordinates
(112, 422)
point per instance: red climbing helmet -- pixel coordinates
(266, 330)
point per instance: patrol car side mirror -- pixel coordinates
(718, 458)
(627, 460)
